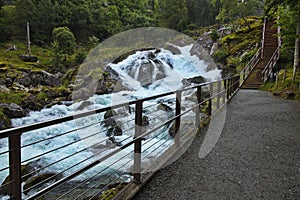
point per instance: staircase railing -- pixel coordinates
(263, 37)
(270, 66)
(250, 66)
(273, 60)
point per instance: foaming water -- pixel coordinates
(168, 71)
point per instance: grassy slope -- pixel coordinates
(237, 49)
(282, 86)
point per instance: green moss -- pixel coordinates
(238, 48)
(9, 97)
(109, 194)
(37, 179)
(283, 86)
(13, 57)
(41, 96)
(4, 120)
(221, 54)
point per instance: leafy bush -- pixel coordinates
(214, 35)
(221, 54)
(80, 56)
(246, 57)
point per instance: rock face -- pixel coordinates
(4, 122)
(28, 172)
(164, 107)
(13, 110)
(84, 104)
(195, 80)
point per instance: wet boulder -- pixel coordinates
(4, 122)
(13, 110)
(164, 107)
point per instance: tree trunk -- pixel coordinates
(296, 55)
(247, 23)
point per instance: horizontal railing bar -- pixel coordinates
(61, 147)
(144, 151)
(85, 181)
(80, 171)
(30, 127)
(112, 153)
(107, 194)
(6, 184)
(110, 176)
(107, 176)
(271, 60)
(4, 152)
(62, 134)
(3, 169)
(69, 156)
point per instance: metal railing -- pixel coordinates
(250, 66)
(263, 37)
(131, 152)
(270, 66)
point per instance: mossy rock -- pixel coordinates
(45, 178)
(164, 107)
(110, 114)
(25, 173)
(124, 56)
(4, 121)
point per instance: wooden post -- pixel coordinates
(228, 88)
(15, 166)
(198, 108)
(178, 119)
(218, 95)
(211, 91)
(138, 144)
(28, 40)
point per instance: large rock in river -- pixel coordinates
(13, 110)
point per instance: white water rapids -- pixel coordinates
(175, 67)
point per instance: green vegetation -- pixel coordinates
(288, 18)
(237, 49)
(283, 86)
(10, 97)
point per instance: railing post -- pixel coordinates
(15, 166)
(219, 95)
(138, 143)
(263, 39)
(237, 83)
(228, 88)
(224, 92)
(178, 119)
(211, 91)
(198, 108)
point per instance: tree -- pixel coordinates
(9, 30)
(80, 20)
(92, 42)
(248, 7)
(230, 10)
(200, 12)
(41, 15)
(172, 14)
(65, 40)
(289, 21)
(56, 56)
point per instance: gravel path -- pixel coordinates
(256, 157)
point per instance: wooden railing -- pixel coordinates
(270, 66)
(250, 66)
(263, 37)
(220, 92)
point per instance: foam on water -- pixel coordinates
(183, 66)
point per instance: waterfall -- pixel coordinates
(145, 73)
